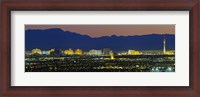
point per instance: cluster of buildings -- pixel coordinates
(73, 52)
(105, 51)
(39, 52)
(95, 52)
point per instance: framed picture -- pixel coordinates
(139, 48)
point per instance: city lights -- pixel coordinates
(56, 50)
(93, 60)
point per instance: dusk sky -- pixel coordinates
(108, 30)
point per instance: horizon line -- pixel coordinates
(99, 36)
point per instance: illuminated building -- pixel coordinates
(45, 52)
(164, 45)
(78, 52)
(151, 52)
(51, 51)
(169, 53)
(112, 56)
(106, 51)
(95, 52)
(36, 51)
(133, 52)
(69, 52)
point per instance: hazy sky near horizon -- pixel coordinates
(108, 30)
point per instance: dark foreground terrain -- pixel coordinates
(75, 63)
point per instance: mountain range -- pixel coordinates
(59, 39)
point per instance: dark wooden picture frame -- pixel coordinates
(193, 90)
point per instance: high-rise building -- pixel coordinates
(95, 52)
(106, 51)
(164, 45)
(78, 52)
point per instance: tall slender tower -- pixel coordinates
(164, 45)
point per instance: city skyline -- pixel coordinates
(59, 39)
(96, 31)
(100, 48)
(99, 52)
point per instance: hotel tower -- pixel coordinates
(164, 45)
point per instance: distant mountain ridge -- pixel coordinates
(59, 39)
